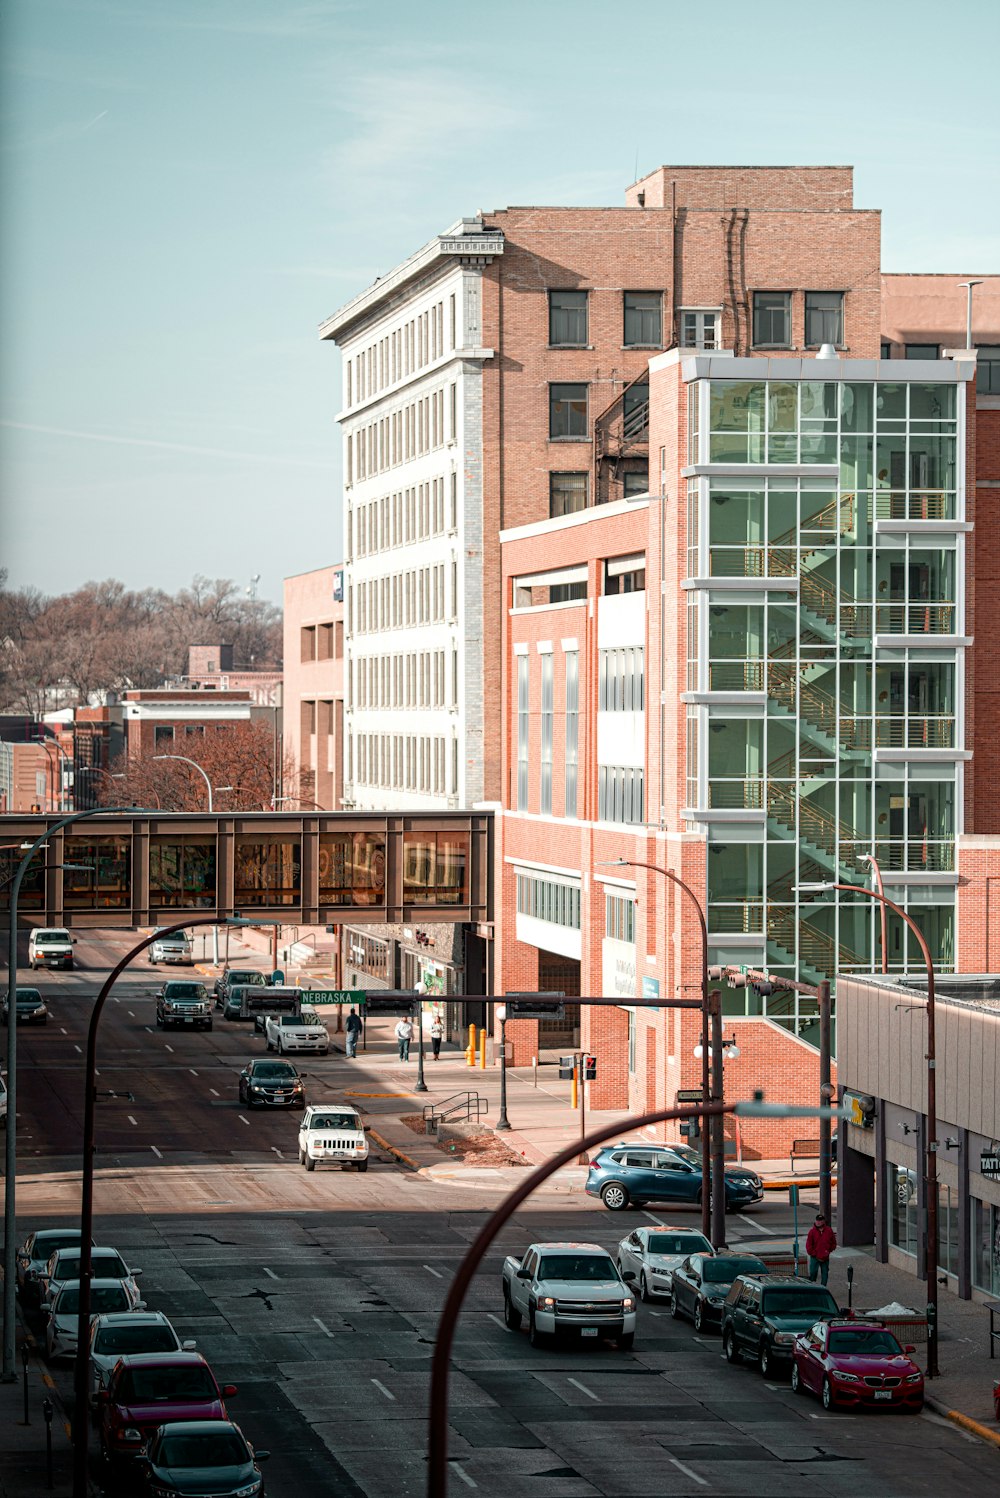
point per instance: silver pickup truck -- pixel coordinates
(571, 1288)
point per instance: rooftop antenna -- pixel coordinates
(251, 592)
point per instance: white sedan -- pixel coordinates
(654, 1253)
(116, 1333)
(297, 1032)
(62, 1313)
(105, 1264)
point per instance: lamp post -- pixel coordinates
(48, 744)
(872, 861)
(713, 1203)
(967, 288)
(211, 811)
(300, 799)
(8, 1374)
(503, 1122)
(930, 1161)
(420, 989)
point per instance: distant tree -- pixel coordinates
(238, 754)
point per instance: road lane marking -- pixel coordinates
(170, 1049)
(497, 1320)
(584, 1390)
(133, 1121)
(462, 1473)
(244, 1120)
(322, 1326)
(652, 1218)
(382, 1388)
(213, 1092)
(156, 1152)
(658, 1314)
(688, 1472)
(192, 1071)
(78, 1050)
(437, 1273)
(270, 1272)
(769, 1232)
(277, 1151)
(63, 1030)
(131, 1013)
(147, 1029)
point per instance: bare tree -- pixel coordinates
(239, 755)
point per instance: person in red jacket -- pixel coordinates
(820, 1244)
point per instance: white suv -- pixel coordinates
(176, 947)
(334, 1133)
(50, 946)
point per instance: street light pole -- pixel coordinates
(967, 287)
(503, 1122)
(872, 861)
(420, 1085)
(211, 811)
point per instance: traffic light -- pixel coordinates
(567, 1065)
(535, 1006)
(762, 988)
(589, 1067)
(387, 1003)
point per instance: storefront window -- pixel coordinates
(948, 1208)
(901, 1191)
(105, 882)
(986, 1247)
(435, 868)
(181, 873)
(268, 871)
(352, 868)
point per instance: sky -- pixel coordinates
(188, 188)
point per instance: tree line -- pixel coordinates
(76, 647)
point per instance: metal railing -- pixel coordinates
(468, 1106)
(934, 731)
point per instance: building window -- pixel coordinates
(308, 638)
(522, 732)
(643, 319)
(824, 318)
(988, 370)
(901, 1194)
(635, 481)
(549, 900)
(568, 319)
(572, 728)
(545, 799)
(621, 686)
(567, 493)
(163, 733)
(772, 319)
(986, 1247)
(619, 917)
(885, 350)
(568, 412)
(699, 329)
(625, 575)
(620, 793)
(921, 351)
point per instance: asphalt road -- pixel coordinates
(319, 1296)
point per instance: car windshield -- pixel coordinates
(50, 1243)
(274, 1069)
(221, 1448)
(185, 991)
(335, 1121)
(859, 1343)
(250, 976)
(135, 1338)
(29, 997)
(686, 1153)
(724, 1271)
(103, 1266)
(51, 938)
(287, 1020)
(793, 1302)
(102, 1298)
(676, 1243)
(577, 1267)
(152, 1385)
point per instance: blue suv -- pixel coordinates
(630, 1174)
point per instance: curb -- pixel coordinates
(392, 1150)
(965, 1421)
(784, 1185)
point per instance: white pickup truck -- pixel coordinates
(297, 1032)
(569, 1287)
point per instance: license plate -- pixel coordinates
(883, 1393)
(188, 1020)
(281, 1094)
(588, 1331)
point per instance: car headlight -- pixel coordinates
(256, 1087)
(845, 1378)
(297, 1087)
(784, 1337)
(716, 1300)
(914, 1378)
(249, 1490)
(628, 1304)
(546, 1302)
(130, 1434)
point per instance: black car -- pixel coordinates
(233, 975)
(193, 1457)
(30, 1005)
(764, 1313)
(183, 1002)
(702, 1282)
(275, 1083)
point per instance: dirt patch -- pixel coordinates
(478, 1147)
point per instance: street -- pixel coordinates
(318, 1294)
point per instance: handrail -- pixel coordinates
(455, 1105)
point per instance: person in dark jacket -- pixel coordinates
(820, 1244)
(352, 1025)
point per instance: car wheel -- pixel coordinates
(643, 1287)
(675, 1309)
(626, 1340)
(914, 1409)
(765, 1361)
(362, 1165)
(535, 1337)
(729, 1346)
(828, 1401)
(280, 1049)
(310, 1163)
(614, 1197)
(511, 1317)
(159, 1021)
(699, 1315)
(209, 1025)
(270, 1047)
(798, 1387)
(302, 1157)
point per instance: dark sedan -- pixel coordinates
(193, 1457)
(275, 1083)
(703, 1281)
(31, 1008)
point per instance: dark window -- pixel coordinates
(635, 411)
(635, 481)
(988, 370)
(643, 319)
(568, 412)
(568, 319)
(885, 350)
(772, 319)
(824, 318)
(567, 493)
(163, 733)
(921, 351)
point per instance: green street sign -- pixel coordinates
(333, 995)
(743, 969)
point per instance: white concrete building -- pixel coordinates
(413, 443)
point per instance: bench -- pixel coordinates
(802, 1149)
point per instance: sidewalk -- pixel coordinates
(23, 1467)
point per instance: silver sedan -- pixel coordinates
(654, 1253)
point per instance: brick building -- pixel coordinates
(314, 686)
(162, 720)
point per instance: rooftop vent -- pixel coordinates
(826, 351)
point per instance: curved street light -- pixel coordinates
(211, 811)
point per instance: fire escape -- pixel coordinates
(621, 443)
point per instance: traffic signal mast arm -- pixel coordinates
(764, 983)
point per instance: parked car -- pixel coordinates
(654, 1253)
(31, 1007)
(3, 1103)
(572, 1288)
(296, 1032)
(183, 1002)
(702, 1282)
(176, 947)
(50, 946)
(253, 1001)
(190, 1458)
(856, 1363)
(105, 1263)
(275, 1083)
(62, 1313)
(333, 1134)
(764, 1313)
(114, 1333)
(34, 1254)
(150, 1389)
(624, 1173)
(231, 977)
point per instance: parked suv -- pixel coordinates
(764, 1313)
(181, 1002)
(332, 1133)
(233, 976)
(621, 1174)
(50, 946)
(173, 948)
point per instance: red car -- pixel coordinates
(148, 1389)
(856, 1363)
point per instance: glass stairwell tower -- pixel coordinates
(825, 530)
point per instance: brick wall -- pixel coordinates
(806, 188)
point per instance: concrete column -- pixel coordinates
(964, 1219)
(883, 1191)
(921, 1196)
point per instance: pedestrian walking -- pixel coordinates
(820, 1244)
(352, 1025)
(437, 1035)
(404, 1034)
